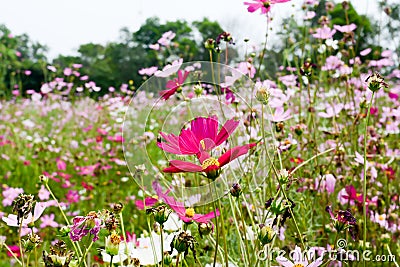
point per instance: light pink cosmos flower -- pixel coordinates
(331, 111)
(264, 5)
(12, 220)
(324, 33)
(326, 182)
(169, 69)
(246, 68)
(148, 71)
(365, 52)
(345, 28)
(155, 47)
(9, 194)
(48, 221)
(43, 193)
(309, 15)
(299, 259)
(280, 115)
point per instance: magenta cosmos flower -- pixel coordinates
(199, 140)
(174, 85)
(187, 215)
(202, 136)
(265, 5)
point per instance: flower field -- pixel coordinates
(218, 162)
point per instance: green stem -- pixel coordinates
(217, 234)
(365, 177)
(111, 260)
(13, 254)
(83, 259)
(123, 232)
(162, 245)
(20, 243)
(77, 248)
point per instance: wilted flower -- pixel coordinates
(32, 242)
(23, 206)
(225, 36)
(376, 82)
(184, 242)
(343, 220)
(59, 256)
(83, 225)
(236, 190)
(205, 228)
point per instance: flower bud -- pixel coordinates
(236, 190)
(32, 242)
(265, 234)
(43, 179)
(161, 213)
(198, 89)
(205, 228)
(263, 95)
(209, 44)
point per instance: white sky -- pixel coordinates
(64, 25)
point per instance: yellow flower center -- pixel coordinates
(298, 265)
(381, 218)
(210, 162)
(190, 212)
(203, 145)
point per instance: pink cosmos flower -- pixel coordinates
(48, 221)
(174, 85)
(209, 165)
(61, 165)
(365, 52)
(147, 202)
(246, 68)
(43, 193)
(187, 215)
(328, 182)
(265, 5)
(324, 33)
(72, 196)
(280, 115)
(155, 47)
(203, 135)
(9, 194)
(169, 69)
(199, 140)
(345, 28)
(67, 71)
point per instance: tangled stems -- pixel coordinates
(85, 254)
(77, 248)
(365, 177)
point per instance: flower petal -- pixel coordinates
(234, 153)
(182, 166)
(226, 131)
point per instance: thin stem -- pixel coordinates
(20, 243)
(217, 234)
(365, 177)
(83, 259)
(13, 254)
(162, 245)
(177, 260)
(77, 247)
(223, 234)
(111, 260)
(310, 159)
(123, 232)
(391, 255)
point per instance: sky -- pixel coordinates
(64, 25)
